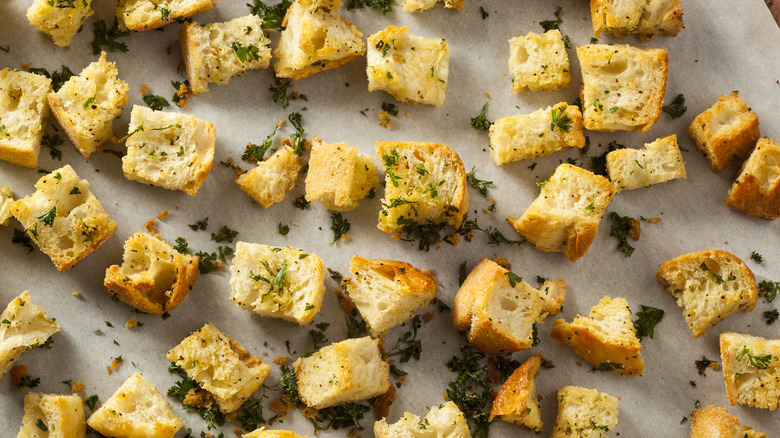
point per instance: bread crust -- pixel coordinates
(62, 415)
(756, 192)
(61, 24)
(28, 325)
(584, 412)
(517, 401)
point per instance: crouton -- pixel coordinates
(6, 205)
(23, 116)
(584, 413)
(751, 370)
(60, 19)
(658, 162)
(646, 18)
(269, 181)
(424, 5)
(62, 416)
(539, 62)
(517, 401)
(28, 326)
(756, 192)
(445, 421)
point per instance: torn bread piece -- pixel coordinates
(141, 15)
(517, 401)
(6, 205)
(751, 370)
(539, 62)
(262, 433)
(62, 416)
(28, 327)
(60, 19)
(584, 412)
(657, 162)
(443, 421)
(716, 422)
(645, 18)
(23, 116)
(423, 5)
(269, 181)
(756, 192)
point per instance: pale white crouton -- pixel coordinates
(140, 15)
(658, 162)
(6, 204)
(646, 18)
(584, 412)
(28, 326)
(517, 401)
(751, 369)
(269, 181)
(716, 422)
(60, 19)
(539, 61)
(443, 421)
(756, 192)
(62, 416)
(23, 115)
(262, 433)
(424, 5)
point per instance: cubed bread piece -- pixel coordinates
(343, 372)
(387, 293)
(140, 15)
(338, 175)
(262, 433)
(60, 19)
(269, 181)
(756, 192)
(658, 162)
(218, 52)
(584, 412)
(646, 18)
(169, 150)
(709, 285)
(412, 69)
(716, 422)
(539, 134)
(64, 218)
(539, 62)
(136, 410)
(517, 401)
(623, 86)
(86, 105)
(315, 38)
(220, 366)
(284, 283)
(726, 132)
(423, 5)
(28, 326)
(606, 338)
(565, 216)
(751, 369)
(499, 310)
(425, 184)
(443, 421)
(23, 115)
(6, 204)
(62, 416)
(154, 277)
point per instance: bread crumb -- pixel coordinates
(427, 317)
(503, 262)
(144, 89)
(75, 293)
(281, 359)
(430, 272)
(131, 323)
(385, 119)
(383, 402)
(280, 405)
(183, 93)
(634, 228)
(115, 362)
(151, 223)
(18, 372)
(26, 67)
(293, 223)
(487, 94)
(654, 220)
(77, 387)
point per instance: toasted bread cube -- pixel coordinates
(169, 150)
(262, 433)
(412, 69)
(623, 86)
(539, 62)
(425, 184)
(751, 369)
(60, 19)
(62, 416)
(28, 326)
(154, 277)
(284, 283)
(716, 422)
(87, 104)
(499, 312)
(423, 5)
(338, 175)
(23, 115)
(538, 134)
(136, 410)
(646, 18)
(517, 401)
(726, 132)
(64, 218)
(387, 293)
(709, 285)
(756, 192)
(343, 372)
(658, 162)
(6, 204)
(445, 420)
(220, 366)
(141, 15)
(269, 181)
(606, 338)
(584, 412)
(316, 38)
(566, 215)
(217, 52)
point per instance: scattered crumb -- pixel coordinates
(178, 208)
(238, 432)
(487, 94)
(17, 374)
(408, 114)
(654, 220)
(280, 405)
(634, 228)
(281, 359)
(503, 262)
(75, 293)
(383, 402)
(150, 225)
(144, 89)
(427, 317)
(184, 93)
(385, 119)
(131, 323)
(26, 67)
(492, 370)
(77, 387)
(344, 301)
(115, 362)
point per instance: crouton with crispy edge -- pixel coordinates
(756, 192)
(646, 18)
(23, 116)
(269, 181)
(28, 327)
(657, 162)
(62, 416)
(60, 19)
(141, 15)
(716, 422)
(539, 62)
(751, 370)
(517, 401)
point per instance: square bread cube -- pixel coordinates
(539, 62)
(646, 18)
(425, 184)
(62, 416)
(658, 162)
(517, 401)
(716, 422)
(726, 132)
(344, 372)
(411, 68)
(86, 105)
(584, 412)
(169, 150)
(756, 192)
(217, 52)
(64, 218)
(220, 366)
(154, 277)
(284, 283)
(141, 15)
(136, 410)
(6, 205)
(445, 420)
(262, 433)
(23, 116)
(751, 369)
(423, 5)
(539, 134)
(499, 311)
(28, 326)
(709, 285)
(623, 86)
(315, 38)
(565, 216)
(60, 19)
(338, 175)
(387, 293)
(269, 181)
